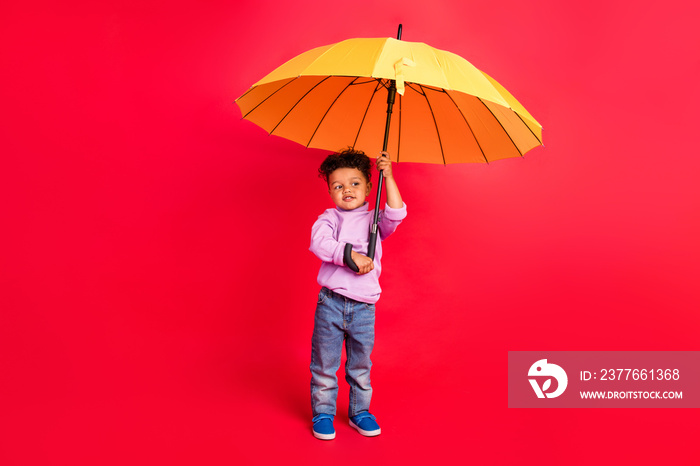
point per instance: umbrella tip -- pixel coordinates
(398, 35)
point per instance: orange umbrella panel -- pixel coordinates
(430, 125)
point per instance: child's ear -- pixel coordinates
(369, 188)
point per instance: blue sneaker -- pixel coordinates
(366, 424)
(323, 427)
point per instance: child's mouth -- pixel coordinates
(348, 198)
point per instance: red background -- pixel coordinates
(157, 294)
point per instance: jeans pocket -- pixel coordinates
(322, 296)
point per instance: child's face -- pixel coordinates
(348, 188)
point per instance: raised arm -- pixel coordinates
(393, 196)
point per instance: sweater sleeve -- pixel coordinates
(390, 220)
(323, 243)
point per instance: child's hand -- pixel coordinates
(383, 163)
(364, 263)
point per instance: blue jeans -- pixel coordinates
(339, 318)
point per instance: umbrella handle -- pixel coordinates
(347, 257)
(372, 241)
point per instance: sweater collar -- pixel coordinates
(363, 208)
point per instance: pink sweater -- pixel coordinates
(332, 230)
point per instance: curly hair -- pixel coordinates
(348, 158)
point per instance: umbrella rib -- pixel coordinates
(437, 130)
(265, 99)
(297, 103)
(245, 93)
(421, 92)
(383, 84)
(468, 126)
(528, 127)
(503, 128)
(329, 109)
(366, 110)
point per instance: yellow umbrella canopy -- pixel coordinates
(447, 110)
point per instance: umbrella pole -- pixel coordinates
(391, 97)
(373, 231)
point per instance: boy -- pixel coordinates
(345, 308)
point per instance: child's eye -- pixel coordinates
(355, 183)
(338, 187)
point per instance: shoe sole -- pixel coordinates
(324, 436)
(366, 433)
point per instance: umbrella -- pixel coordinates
(344, 94)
